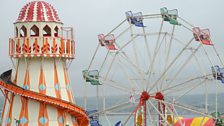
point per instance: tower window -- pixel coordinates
(47, 31)
(34, 31)
(56, 31)
(23, 31)
(17, 32)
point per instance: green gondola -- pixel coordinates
(91, 76)
(170, 15)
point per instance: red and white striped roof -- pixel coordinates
(38, 11)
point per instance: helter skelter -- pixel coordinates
(152, 63)
(38, 92)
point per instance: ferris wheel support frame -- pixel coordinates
(161, 103)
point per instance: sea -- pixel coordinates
(197, 101)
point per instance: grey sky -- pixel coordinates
(91, 17)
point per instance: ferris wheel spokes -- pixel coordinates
(185, 63)
(149, 74)
(205, 77)
(129, 78)
(167, 56)
(187, 91)
(168, 67)
(218, 55)
(155, 50)
(119, 84)
(154, 61)
(146, 43)
(188, 109)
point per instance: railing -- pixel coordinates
(41, 47)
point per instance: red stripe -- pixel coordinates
(40, 14)
(10, 109)
(60, 115)
(24, 110)
(16, 76)
(43, 114)
(30, 12)
(42, 81)
(210, 122)
(22, 13)
(55, 15)
(49, 12)
(67, 83)
(56, 83)
(27, 78)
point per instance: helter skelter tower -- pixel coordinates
(38, 92)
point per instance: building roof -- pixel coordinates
(38, 11)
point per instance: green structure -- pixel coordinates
(91, 76)
(219, 120)
(170, 15)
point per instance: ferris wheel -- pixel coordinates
(147, 70)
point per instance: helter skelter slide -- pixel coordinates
(152, 64)
(38, 92)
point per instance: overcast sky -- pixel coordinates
(91, 17)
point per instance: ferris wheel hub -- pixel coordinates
(145, 96)
(159, 96)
